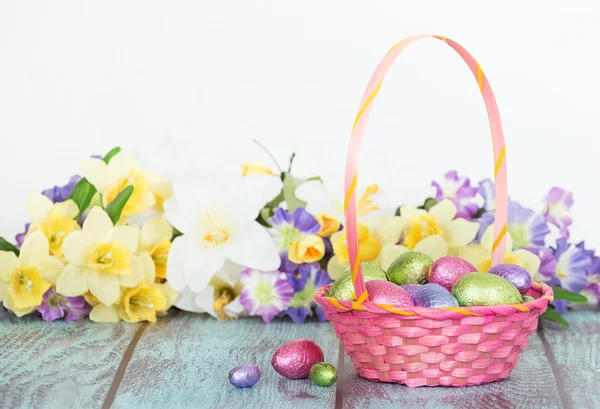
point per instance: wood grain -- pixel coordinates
(57, 364)
(530, 385)
(183, 362)
(577, 358)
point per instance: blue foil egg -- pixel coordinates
(435, 296)
(244, 376)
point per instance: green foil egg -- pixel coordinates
(343, 289)
(485, 289)
(410, 268)
(323, 374)
(528, 299)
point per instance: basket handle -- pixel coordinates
(356, 137)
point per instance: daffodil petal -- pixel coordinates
(234, 308)
(34, 249)
(487, 240)
(316, 196)
(460, 232)
(390, 253)
(50, 268)
(434, 246)
(122, 163)
(8, 262)
(69, 208)
(180, 259)
(409, 211)
(169, 293)
(136, 275)
(75, 247)
(38, 206)
(97, 225)
(149, 267)
(94, 170)
(104, 287)
(187, 301)
(386, 230)
(209, 261)
(253, 247)
(444, 211)
(175, 215)
(475, 254)
(127, 236)
(103, 313)
(205, 299)
(154, 230)
(335, 269)
(531, 261)
(72, 281)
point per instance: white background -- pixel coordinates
(77, 78)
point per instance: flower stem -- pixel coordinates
(268, 153)
(291, 162)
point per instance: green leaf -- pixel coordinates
(265, 215)
(114, 208)
(289, 193)
(562, 294)
(82, 195)
(110, 154)
(552, 315)
(176, 233)
(429, 203)
(276, 201)
(6, 246)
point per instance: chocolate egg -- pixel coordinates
(323, 374)
(515, 274)
(413, 290)
(410, 268)
(244, 376)
(294, 359)
(435, 296)
(343, 289)
(384, 292)
(446, 271)
(485, 289)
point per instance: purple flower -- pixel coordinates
(61, 193)
(459, 190)
(593, 272)
(572, 265)
(55, 306)
(302, 303)
(265, 293)
(20, 238)
(289, 227)
(526, 228)
(557, 204)
(547, 269)
(487, 190)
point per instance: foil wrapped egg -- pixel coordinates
(294, 359)
(244, 376)
(527, 299)
(413, 290)
(515, 274)
(323, 374)
(485, 289)
(343, 289)
(435, 296)
(410, 268)
(384, 292)
(446, 271)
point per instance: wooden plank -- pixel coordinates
(530, 385)
(58, 364)
(184, 359)
(576, 357)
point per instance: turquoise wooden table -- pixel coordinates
(183, 360)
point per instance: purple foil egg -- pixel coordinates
(517, 275)
(244, 376)
(435, 296)
(385, 292)
(413, 290)
(294, 359)
(446, 271)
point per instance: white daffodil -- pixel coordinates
(25, 279)
(480, 255)
(327, 197)
(54, 220)
(436, 232)
(102, 259)
(216, 213)
(155, 239)
(122, 171)
(377, 240)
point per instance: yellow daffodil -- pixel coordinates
(377, 244)
(480, 255)
(155, 239)
(25, 279)
(122, 171)
(102, 259)
(255, 169)
(54, 220)
(329, 224)
(436, 232)
(309, 249)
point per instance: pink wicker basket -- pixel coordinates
(420, 346)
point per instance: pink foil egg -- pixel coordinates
(294, 359)
(385, 292)
(446, 271)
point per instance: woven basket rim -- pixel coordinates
(541, 303)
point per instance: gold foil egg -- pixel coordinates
(343, 289)
(410, 268)
(485, 289)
